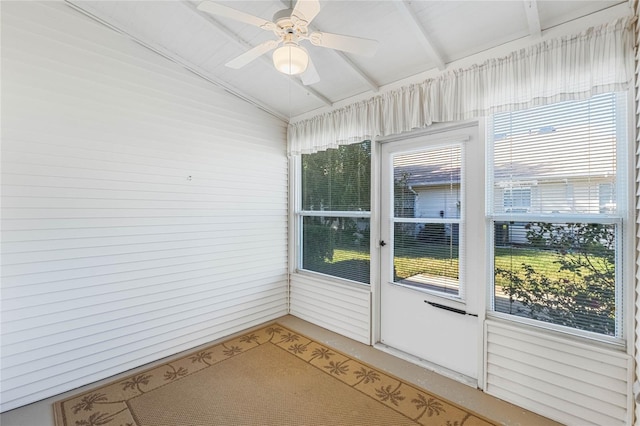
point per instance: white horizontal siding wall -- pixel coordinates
(342, 308)
(567, 381)
(143, 209)
(636, 7)
(636, 157)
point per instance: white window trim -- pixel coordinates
(625, 264)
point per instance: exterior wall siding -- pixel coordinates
(636, 6)
(144, 210)
(571, 382)
(341, 308)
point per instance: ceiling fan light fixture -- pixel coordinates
(291, 59)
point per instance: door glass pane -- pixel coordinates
(427, 184)
(427, 256)
(427, 218)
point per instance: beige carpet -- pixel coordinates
(272, 376)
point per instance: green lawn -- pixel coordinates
(543, 261)
(436, 260)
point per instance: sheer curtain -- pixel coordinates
(598, 60)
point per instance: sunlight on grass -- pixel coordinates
(410, 264)
(543, 261)
(340, 255)
(407, 266)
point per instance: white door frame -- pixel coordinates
(475, 166)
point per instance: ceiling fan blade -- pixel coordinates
(361, 46)
(310, 76)
(228, 12)
(306, 10)
(252, 54)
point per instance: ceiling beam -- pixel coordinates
(231, 36)
(361, 74)
(416, 27)
(344, 58)
(189, 67)
(533, 18)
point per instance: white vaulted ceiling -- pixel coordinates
(415, 37)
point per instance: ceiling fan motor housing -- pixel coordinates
(282, 14)
(287, 23)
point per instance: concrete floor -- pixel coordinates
(41, 413)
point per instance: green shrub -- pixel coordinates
(318, 242)
(579, 291)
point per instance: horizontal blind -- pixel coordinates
(335, 216)
(337, 179)
(557, 159)
(557, 200)
(428, 229)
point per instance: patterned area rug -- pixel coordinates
(272, 376)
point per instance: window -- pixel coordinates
(556, 248)
(335, 212)
(517, 200)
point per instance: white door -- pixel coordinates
(432, 250)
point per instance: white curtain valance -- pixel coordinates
(597, 60)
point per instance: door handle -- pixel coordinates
(382, 243)
(449, 308)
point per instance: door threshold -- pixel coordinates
(443, 371)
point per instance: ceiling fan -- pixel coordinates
(291, 26)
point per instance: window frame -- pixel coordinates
(298, 214)
(623, 219)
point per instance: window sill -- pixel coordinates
(328, 279)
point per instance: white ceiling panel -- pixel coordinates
(413, 37)
(489, 23)
(553, 13)
(378, 20)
